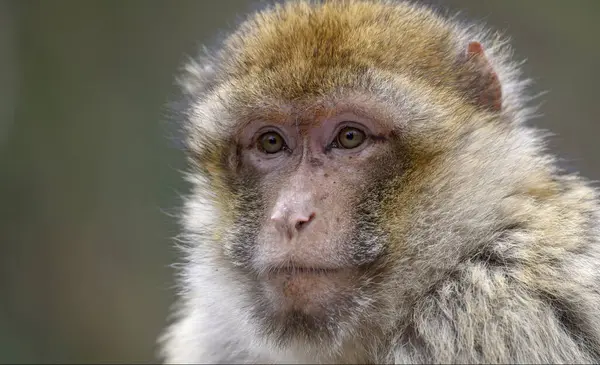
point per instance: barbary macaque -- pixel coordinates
(365, 190)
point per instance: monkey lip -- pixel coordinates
(297, 272)
(305, 275)
(290, 271)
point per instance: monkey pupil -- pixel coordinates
(350, 135)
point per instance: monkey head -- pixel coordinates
(318, 137)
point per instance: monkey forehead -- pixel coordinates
(296, 46)
(390, 104)
(316, 113)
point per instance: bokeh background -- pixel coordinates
(89, 173)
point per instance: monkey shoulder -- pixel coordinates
(530, 295)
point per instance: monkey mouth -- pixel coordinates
(296, 274)
(306, 289)
(292, 270)
(299, 271)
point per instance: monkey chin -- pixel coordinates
(306, 292)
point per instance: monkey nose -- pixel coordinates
(293, 223)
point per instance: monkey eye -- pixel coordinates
(350, 137)
(271, 142)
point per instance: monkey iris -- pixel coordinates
(271, 142)
(350, 137)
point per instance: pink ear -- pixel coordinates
(475, 48)
(484, 85)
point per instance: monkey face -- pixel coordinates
(307, 231)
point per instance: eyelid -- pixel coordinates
(267, 129)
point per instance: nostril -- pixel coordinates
(302, 222)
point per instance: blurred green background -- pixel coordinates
(89, 173)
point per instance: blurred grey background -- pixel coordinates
(89, 173)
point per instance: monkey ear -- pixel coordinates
(483, 85)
